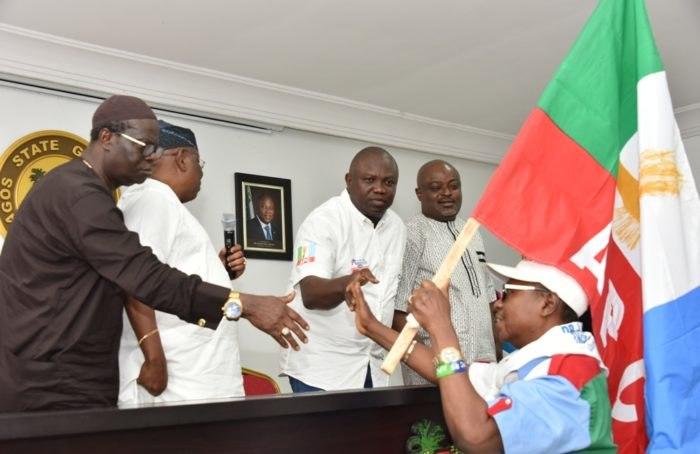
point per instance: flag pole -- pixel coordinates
(441, 279)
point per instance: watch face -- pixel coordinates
(450, 354)
(232, 310)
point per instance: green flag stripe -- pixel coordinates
(592, 96)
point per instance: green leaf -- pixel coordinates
(36, 174)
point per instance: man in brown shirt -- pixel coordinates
(68, 260)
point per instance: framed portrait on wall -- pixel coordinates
(264, 216)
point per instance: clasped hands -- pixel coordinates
(428, 304)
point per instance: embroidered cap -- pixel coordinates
(172, 136)
(557, 281)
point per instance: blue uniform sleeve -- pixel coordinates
(542, 415)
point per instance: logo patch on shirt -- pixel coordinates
(358, 264)
(502, 404)
(26, 161)
(306, 254)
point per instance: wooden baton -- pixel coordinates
(441, 278)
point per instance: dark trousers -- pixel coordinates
(299, 386)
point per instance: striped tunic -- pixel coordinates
(471, 289)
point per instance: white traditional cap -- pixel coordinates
(555, 280)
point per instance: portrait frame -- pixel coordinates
(261, 234)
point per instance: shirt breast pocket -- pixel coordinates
(391, 269)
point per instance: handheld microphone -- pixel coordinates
(229, 222)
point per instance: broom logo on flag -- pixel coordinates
(659, 174)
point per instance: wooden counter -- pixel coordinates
(336, 422)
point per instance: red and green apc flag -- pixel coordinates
(597, 183)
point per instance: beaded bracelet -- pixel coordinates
(446, 369)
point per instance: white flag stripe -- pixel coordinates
(669, 204)
(629, 156)
(655, 120)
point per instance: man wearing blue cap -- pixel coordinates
(201, 363)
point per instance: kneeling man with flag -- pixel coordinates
(549, 396)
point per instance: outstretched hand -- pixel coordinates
(273, 315)
(363, 276)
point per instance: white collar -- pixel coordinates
(262, 223)
(357, 214)
(489, 378)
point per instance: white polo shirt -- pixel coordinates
(202, 363)
(332, 241)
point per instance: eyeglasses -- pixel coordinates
(148, 149)
(509, 288)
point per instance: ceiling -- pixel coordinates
(481, 63)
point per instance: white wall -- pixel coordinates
(688, 119)
(692, 149)
(315, 163)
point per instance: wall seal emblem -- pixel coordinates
(26, 161)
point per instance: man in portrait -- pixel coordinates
(262, 229)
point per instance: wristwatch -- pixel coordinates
(448, 355)
(233, 307)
